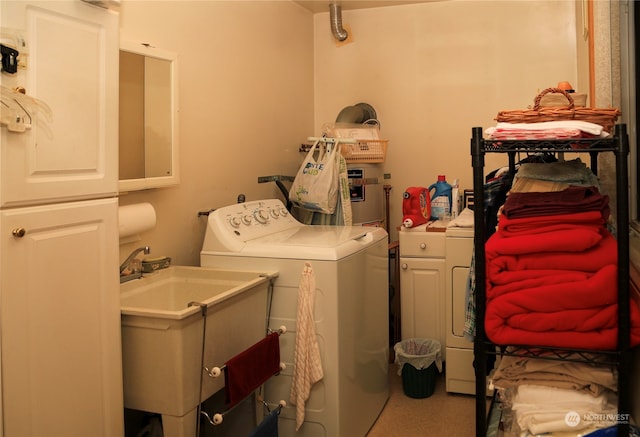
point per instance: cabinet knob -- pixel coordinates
(404, 266)
(19, 232)
(423, 246)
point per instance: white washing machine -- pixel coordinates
(351, 308)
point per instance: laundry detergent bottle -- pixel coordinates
(440, 198)
(416, 207)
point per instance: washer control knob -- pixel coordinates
(274, 213)
(235, 222)
(261, 216)
(284, 212)
(247, 219)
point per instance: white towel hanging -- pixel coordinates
(307, 364)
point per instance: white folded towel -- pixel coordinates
(584, 126)
(464, 220)
(540, 409)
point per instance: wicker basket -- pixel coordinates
(605, 117)
(554, 100)
(365, 151)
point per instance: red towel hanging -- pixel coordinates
(251, 368)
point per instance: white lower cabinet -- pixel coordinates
(60, 320)
(422, 285)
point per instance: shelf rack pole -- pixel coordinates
(479, 344)
(624, 322)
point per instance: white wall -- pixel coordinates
(434, 70)
(246, 104)
(258, 77)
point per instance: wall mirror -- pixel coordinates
(148, 140)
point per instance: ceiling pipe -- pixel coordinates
(335, 16)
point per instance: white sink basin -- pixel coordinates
(167, 293)
(166, 342)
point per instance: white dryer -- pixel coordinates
(460, 376)
(351, 308)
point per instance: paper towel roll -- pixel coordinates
(136, 218)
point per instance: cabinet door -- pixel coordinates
(68, 60)
(422, 299)
(60, 320)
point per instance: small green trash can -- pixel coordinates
(419, 361)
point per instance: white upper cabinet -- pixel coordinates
(59, 139)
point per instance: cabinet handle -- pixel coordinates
(423, 246)
(19, 232)
(404, 266)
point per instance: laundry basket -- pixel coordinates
(419, 361)
(365, 151)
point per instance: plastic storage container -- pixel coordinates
(419, 361)
(441, 198)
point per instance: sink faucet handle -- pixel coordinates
(132, 255)
(135, 266)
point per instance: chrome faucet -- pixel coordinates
(125, 264)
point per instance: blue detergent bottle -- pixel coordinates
(441, 198)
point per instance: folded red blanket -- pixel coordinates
(575, 240)
(556, 299)
(523, 280)
(504, 255)
(570, 200)
(575, 291)
(592, 337)
(510, 227)
(596, 339)
(581, 314)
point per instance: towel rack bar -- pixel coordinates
(274, 178)
(329, 140)
(216, 371)
(325, 141)
(280, 331)
(218, 418)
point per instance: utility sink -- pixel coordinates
(167, 293)
(166, 343)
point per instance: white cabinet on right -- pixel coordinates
(422, 284)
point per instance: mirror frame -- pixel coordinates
(125, 185)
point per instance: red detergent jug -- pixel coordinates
(416, 206)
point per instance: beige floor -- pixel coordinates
(439, 415)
